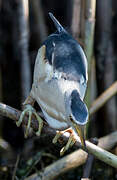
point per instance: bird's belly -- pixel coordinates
(51, 100)
(54, 123)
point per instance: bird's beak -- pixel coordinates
(80, 129)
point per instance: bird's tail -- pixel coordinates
(58, 26)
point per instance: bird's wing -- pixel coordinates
(67, 59)
(43, 71)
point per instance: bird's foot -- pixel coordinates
(70, 143)
(30, 111)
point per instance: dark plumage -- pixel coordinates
(66, 56)
(69, 57)
(78, 108)
(59, 84)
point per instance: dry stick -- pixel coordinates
(103, 98)
(39, 19)
(89, 39)
(68, 163)
(75, 25)
(1, 97)
(16, 165)
(89, 29)
(99, 153)
(89, 161)
(4, 145)
(0, 4)
(71, 161)
(23, 44)
(107, 142)
(105, 61)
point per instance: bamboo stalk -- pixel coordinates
(105, 63)
(102, 154)
(103, 98)
(1, 97)
(70, 161)
(23, 47)
(89, 29)
(109, 141)
(89, 162)
(0, 4)
(76, 13)
(40, 25)
(89, 39)
(98, 152)
(65, 164)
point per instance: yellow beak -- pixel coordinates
(80, 129)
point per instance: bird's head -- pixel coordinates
(77, 113)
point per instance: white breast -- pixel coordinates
(50, 98)
(55, 123)
(48, 90)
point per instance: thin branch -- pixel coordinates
(89, 161)
(35, 159)
(103, 98)
(102, 155)
(109, 141)
(4, 145)
(65, 164)
(61, 166)
(69, 162)
(16, 165)
(98, 152)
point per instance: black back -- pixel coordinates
(69, 57)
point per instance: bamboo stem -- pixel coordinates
(103, 98)
(102, 154)
(65, 164)
(41, 29)
(89, 40)
(98, 152)
(76, 13)
(70, 161)
(23, 47)
(89, 29)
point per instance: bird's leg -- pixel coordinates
(28, 109)
(58, 134)
(70, 142)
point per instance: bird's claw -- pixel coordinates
(55, 139)
(30, 111)
(70, 143)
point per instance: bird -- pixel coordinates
(59, 86)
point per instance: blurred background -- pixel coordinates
(24, 25)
